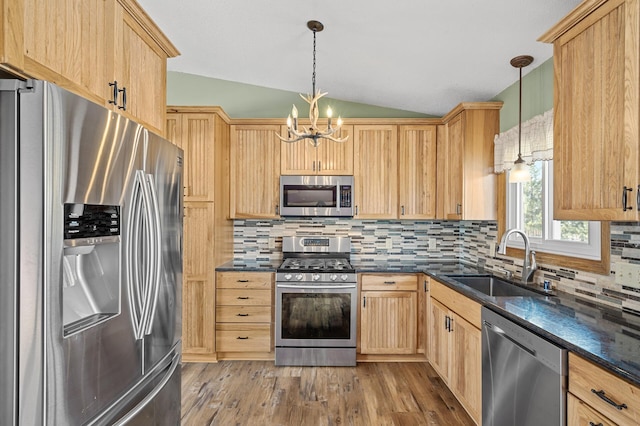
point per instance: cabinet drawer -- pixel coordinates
(586, 378)
(233, 313)
(259, 280)
(243, 338)
(382, 282)
(579, 413)
(458, 303)
(228, 296)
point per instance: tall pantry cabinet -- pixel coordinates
(203, 134)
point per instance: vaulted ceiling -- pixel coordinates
(417, 55)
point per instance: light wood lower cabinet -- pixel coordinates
(424, 284)
(603, 395)
(580, 413)
(455, 349)
(244, 315)
(388, 314)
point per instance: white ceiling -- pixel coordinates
(417, 55)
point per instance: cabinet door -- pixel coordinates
(423, 313)
(439, 339)
(454, 172)
(140, 67)
(197, 140)
(198, 294)
(297, 158)
(388, 322)
(70, 43)
(466, 365)
(376, 171)
(255, 171)
(595, 147)
(336, 158)
(417, 172)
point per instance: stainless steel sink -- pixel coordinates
(494, 286)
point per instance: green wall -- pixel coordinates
(537, 96)
(240, 100)
(248, 101)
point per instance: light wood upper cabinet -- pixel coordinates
(388, 314)
(140, 67)
(417, 172)
(328, 158)
(255, 166)
(376, 171)
(195, 134)
(465, 162)
(596, 151)
(83, 46)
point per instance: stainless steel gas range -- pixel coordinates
(316, 302)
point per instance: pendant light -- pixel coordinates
(520, 170)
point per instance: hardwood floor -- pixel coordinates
(259, 393)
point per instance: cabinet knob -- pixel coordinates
(625, 190)
(458, 209)
(319, 165)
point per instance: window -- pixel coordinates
(530, 208)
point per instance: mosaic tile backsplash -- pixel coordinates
(410, 242)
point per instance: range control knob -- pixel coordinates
(344, 277)
(299, 277)
(288, 277)
(315, 277)
(333, 277)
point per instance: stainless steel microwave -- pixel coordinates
(316, 196)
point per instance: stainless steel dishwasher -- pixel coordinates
(524, 376)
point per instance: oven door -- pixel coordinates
(316, 315)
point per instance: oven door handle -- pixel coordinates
(314, 287)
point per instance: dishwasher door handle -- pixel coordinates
(501, 332)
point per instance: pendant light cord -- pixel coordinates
(313, 76)
(519, 117)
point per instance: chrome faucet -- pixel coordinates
(527, 268)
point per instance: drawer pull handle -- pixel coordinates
(243, 281)
(243, 297)
(242, 315)
(242, 338)
(593, 424)
(389, 282)
(608, 400)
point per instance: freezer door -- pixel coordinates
(91, 356)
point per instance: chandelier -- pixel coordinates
(313, 133)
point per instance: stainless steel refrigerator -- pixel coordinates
(90, 264)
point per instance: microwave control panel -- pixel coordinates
(345, 196)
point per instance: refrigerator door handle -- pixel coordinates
(136, 302)
(150, 259)
(155, 253)
(175, 362)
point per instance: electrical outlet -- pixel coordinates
(492, 249)
(389, 243)
(432, 244)
(628, 274)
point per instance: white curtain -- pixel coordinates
(537, 142)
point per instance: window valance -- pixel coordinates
(537, 142)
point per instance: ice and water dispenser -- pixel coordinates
(91, 265)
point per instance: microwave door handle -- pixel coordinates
(338, 196)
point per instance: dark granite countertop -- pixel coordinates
(241, 265)
(607, 337)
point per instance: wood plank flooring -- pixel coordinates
(259, 393)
